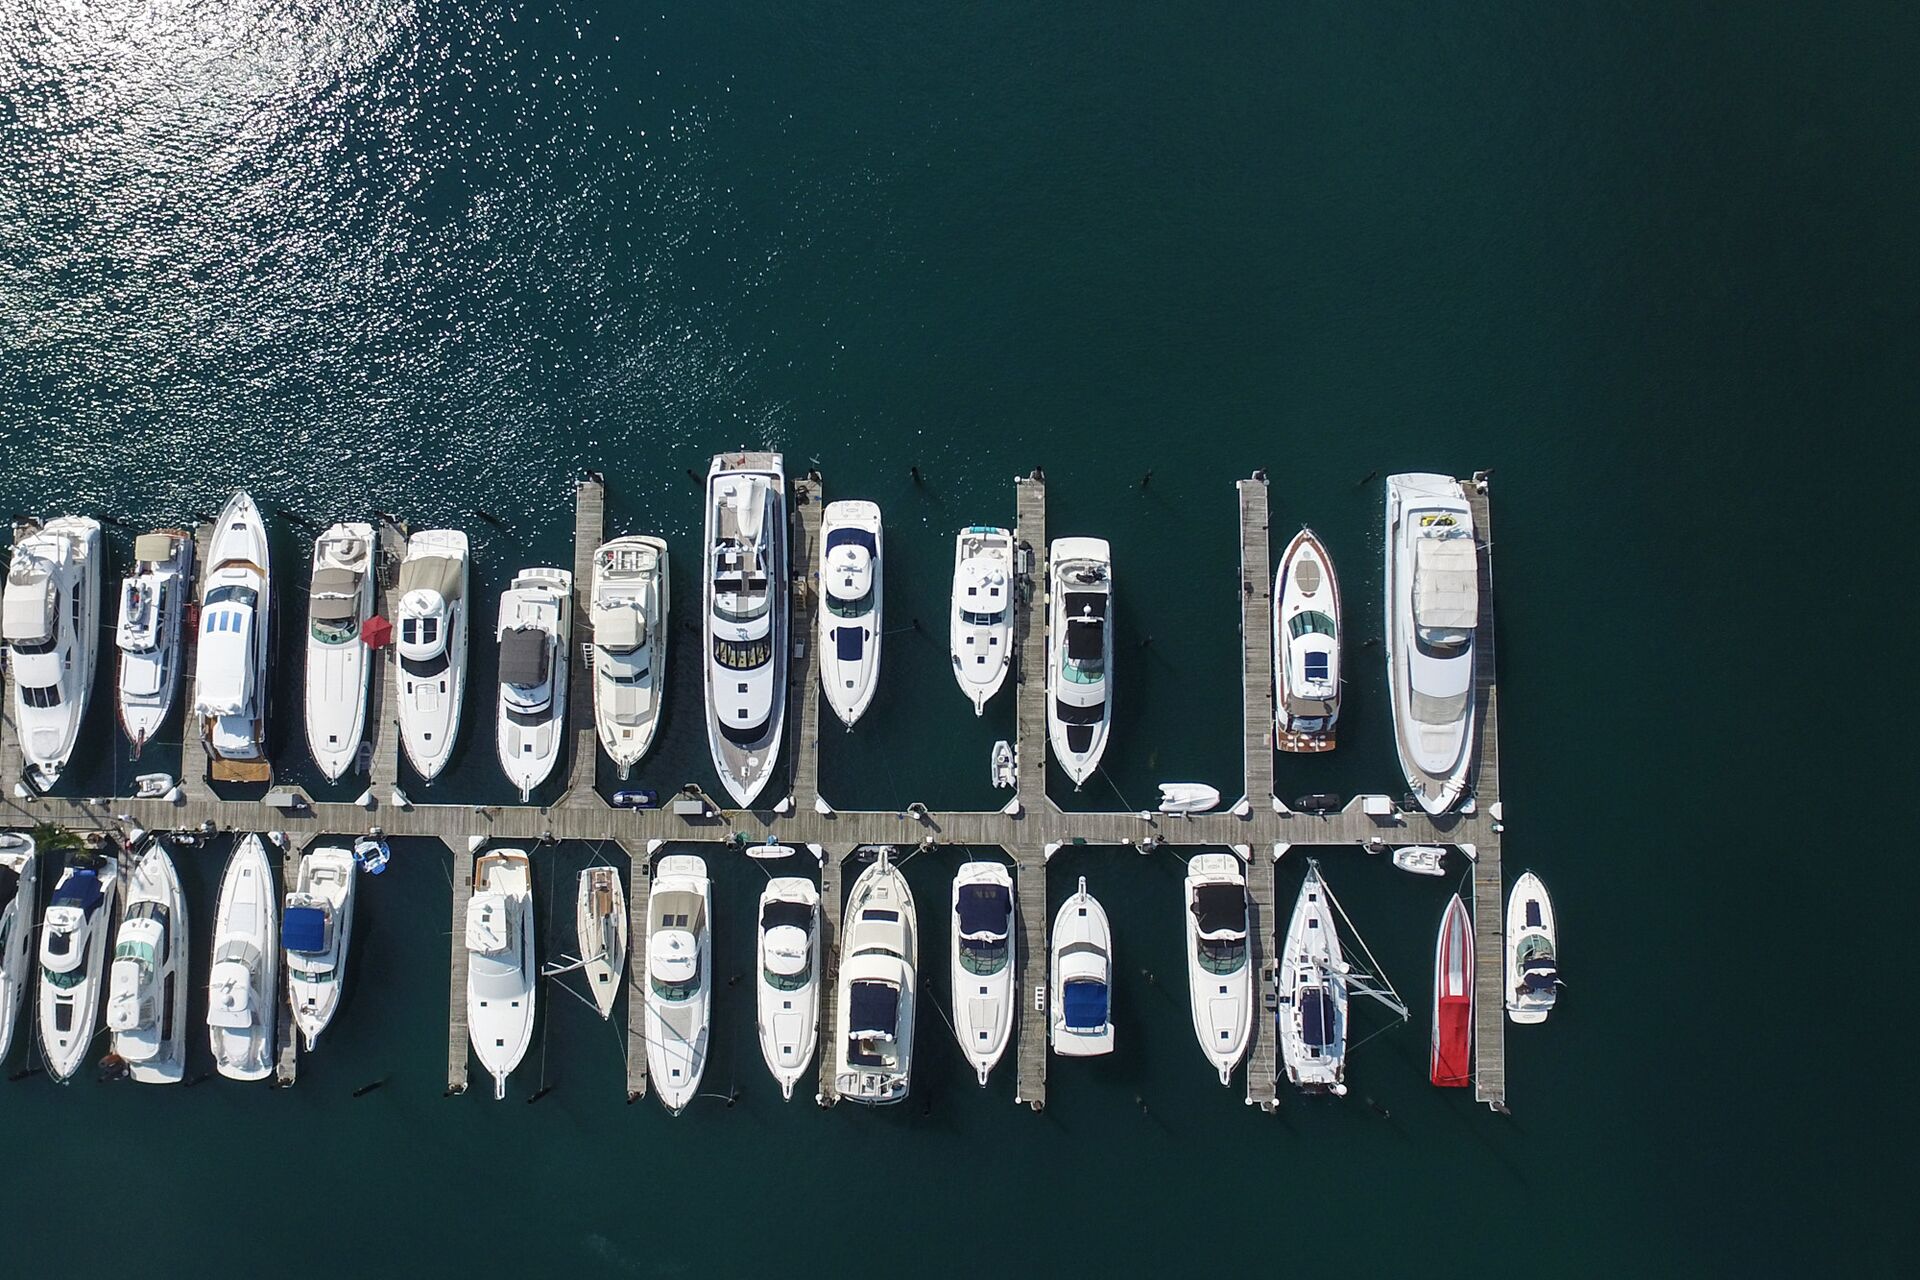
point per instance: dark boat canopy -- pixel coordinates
(81, 889)
(1220, 908)
(9, 886)
(873, 1009)
(985, 909)
(795, 915)
(304, 929)
(1084, 1004)
(844, 537)
(848, 642)
(523, 657)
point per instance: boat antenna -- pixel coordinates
(1374, 972)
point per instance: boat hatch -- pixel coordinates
(1316, 1018)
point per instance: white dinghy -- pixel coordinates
(1188, 797)
(1421, 859)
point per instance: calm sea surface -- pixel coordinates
(1653, 263)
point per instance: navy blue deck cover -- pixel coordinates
(304, 930)
(1085, 1003)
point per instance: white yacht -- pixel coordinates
(628, 607)
(147, 987)
(1433, 608)
(789, 981)
(430, 633)
(243, 986)
(315, 929)
(153, 609)
(50, 618)
(980, 626)
(1080, 997)
(745, 618)
(1533, 945)
(850, 598)
(19, 903)
(879, 957)
(339, 602)
(500, 972)
(600, 925)
(1079, 653)
(1219, 970)
(679, 977)
(535, 632)
(73, 962)
(982, 963)
(230, 666)
(1306, 647)
(1312, 1016)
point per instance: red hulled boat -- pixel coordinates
(1452, 1066)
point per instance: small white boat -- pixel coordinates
(1006, 765)
(1432, 612)
(980, 625)
(1079, 653)
(1533, 959)
(628, 608)
(1219, 969)
(151, 634)
(789, 982)
(768, 852)
(316, 929)
(536, 629)
(19, 905)
(1080, 1002)
(152, 786)
(1313, 993)
(371, 854)
(243, 985)
(679, 977)
(1421, 859)
(600, 925)
(1188, 797)
(982, 963)
(147, 986)
(1306, 647)
(73, 962)
(879, 960)
(500, 972)
(430, 639)
(744, 619)
(236, 638)
(850, 593)
(51, 621)
(339, 602)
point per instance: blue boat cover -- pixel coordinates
(874, 1008)
(304, 930)
(985, 908)
(1316, 666)
(1085, 1004)
(1316, 1017)
(81, 889)
(848, 642)
(851, 538)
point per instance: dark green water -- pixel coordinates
(1654, 263)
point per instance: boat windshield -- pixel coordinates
(742, 655)
(65, 981)
(233, 595)
(1222, 955)
(1310, 623)
(756, 606)
(1533, 947)
(788, 981)
(318, 976)
(677, 992)
(337, 631)
(984, 957)
(134, 949)
(426, 668)
(859, 608)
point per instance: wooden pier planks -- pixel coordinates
(589, 531)
(830, 905)
(639, 885)
(1489, 887)
(803, 675)
(457, 1041)
(1030, 643)
(1262, 954)
(1030, 976)
(286, 1063)
(1256, 643)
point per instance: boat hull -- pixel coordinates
(745, 744)
(679, 1013)
(243, 982)
(1450, 1063)
(429, 691)
(1435, 751)
(501, 993)
(600, 927)
(880, 954)
(68, 551)
(983, 999)
(980, 616)
(18, 855)
(1082, 956)
(157, 1053)
(339, 670)
(236, 640)
(1312, 1013)
(1306, 665)
(850, 635)
(529, 743)
(1079, 705)
(789, 1011)
(70, 1015)
(147, 683)
(331, 875)
(1529, 912)
(1221, 1002)
(628, 683)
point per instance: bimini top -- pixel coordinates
(1220, 910)
(81, 889)
(438, 574)
(28, 616)
(620, 627)
(873, 1010)
(523, 657)
(153, 548)
(335, 595)
(984, 911)
(1084, 1004)
(304, 929)
(1446, 584)
(1086, 626)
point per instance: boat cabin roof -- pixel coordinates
(30, 609)
(523, 657)
(335, 595)
(438, 574)
(1446, 584)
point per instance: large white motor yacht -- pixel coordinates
(147, 988)
(1433, 608)
(430, 635)
(19, 904)
(51, 619)
(150, 632)
(980, 625)
(1219, 969)
(600, 927)
(73, 962)
(1312, 1017)
(243, 985)
(879, 961)
(230, 666)
(1079, 653)
(535, 632)
(745, 618)
(339, 602)
(1533, 951)
(1306, 647)
(789, 980)
(850, 599)
(315, 929)
(679, 977)
(629, 606)
(500, 972)
(982, 963)
(1080, 998)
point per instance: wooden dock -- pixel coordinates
(639, 885)
(196, 762)
(1256, 644)
(457, 1042)
(803, 672)
(383, 725)
(1030, 977)
(286, 1061)
(830, 905)
(1263, 950)
(1489, 887)
(1030, 642)
(589, 531)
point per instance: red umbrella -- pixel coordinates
(377, 632)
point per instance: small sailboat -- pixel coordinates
(1451, 1065)
(19, 903)
(1421, 859)
(316, 930)
(744, 619)
(1219, 969)
(600, 925)
(1533, 962)
(679, 977)
(982, 963)
(73, 962)
(980, 624)
(243, 985)
(879, 960)
(1006, 765)
(1079, 653)
(147, 986)
(536, 628)
(1316, 981)
(789, 984)
(1080, 1001)
(50, 618)
(431, 622)
(1432, 612)
(500, 972)
(1188, 797)
(1306, 646)
(339, 665)
(628, 609)
(150, 633)
(850, 621)
(230, 664)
